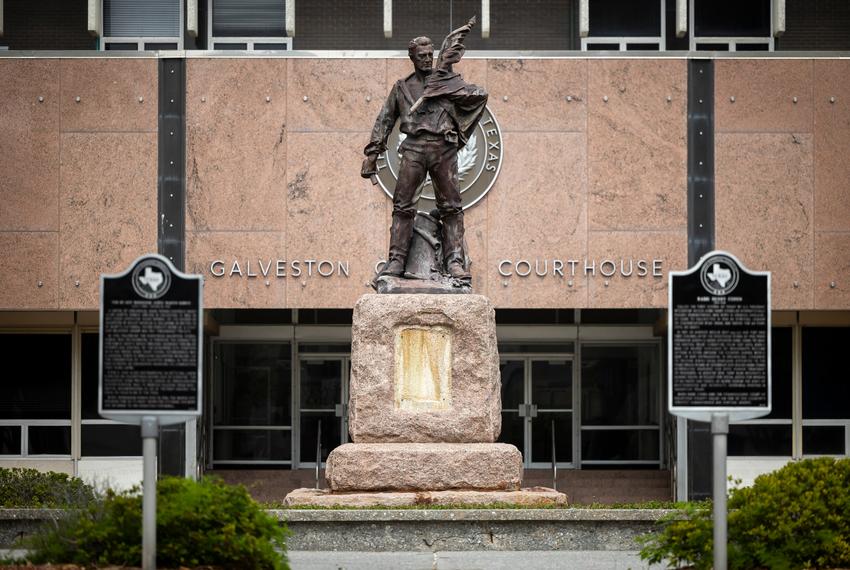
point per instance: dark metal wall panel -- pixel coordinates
(700, 235)
(171, 237)
(700, 158)
(171, 240)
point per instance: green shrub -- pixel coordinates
(198, 523)
(795, 517)
(29, 488)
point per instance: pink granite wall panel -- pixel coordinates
(236, 147)
(637, 144)
(341, 94)
(764, 92)
(332, 215)
(108, 209)
(29, 183)
(832, 145)
(531, 94)
(29, 270)
(832, 270)
(116, 94)
(23, 82)
(538, 214)
(764, 193)
(29, 137)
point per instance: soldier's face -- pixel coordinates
(423, 58)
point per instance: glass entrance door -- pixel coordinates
(251, 403)
(323, 403)
(537, 408)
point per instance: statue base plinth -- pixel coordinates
(370, 467)
(389, 284)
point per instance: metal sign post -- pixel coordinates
(719, 349)
(151, 333)
(150, 433)
(719, 431)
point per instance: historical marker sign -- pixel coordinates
(150, 343)
(719, 340)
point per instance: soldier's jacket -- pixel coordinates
(452, 109)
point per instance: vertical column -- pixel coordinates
(171, 217)
(171, 181)
(697, 471)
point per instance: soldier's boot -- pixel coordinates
(401, 232)
(453, 246)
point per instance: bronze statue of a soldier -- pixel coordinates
(438, 112)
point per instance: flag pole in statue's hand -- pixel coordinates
(450, 53)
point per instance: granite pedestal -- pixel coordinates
(424, 409)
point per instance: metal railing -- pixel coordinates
(318, 452)
(554, 460)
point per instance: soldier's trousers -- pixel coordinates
(427, 154)
(421, 155)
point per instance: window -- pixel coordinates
(826, 391)
(252, 403)
(731, 25)
(35, 411)
(824, 428)
(248, 25)
(101, 437)
(625, 25)
(142, 24)
(620, 404)
(770, 435)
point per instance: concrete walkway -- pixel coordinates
(469, 560)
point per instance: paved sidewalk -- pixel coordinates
(469, 560)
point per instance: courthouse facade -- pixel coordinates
(622, 140)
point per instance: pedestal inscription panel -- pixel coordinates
(423, 368)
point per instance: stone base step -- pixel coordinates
(424, 467)
(536, 496)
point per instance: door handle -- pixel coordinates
(341, 410)
(522, 410)
(532, 410)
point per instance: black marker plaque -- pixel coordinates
(150, 340)
(719, 338)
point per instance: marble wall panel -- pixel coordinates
(832, 141)
(236, 144)
(763, 207)
(764, 92)
(29, 137)
(29, 180)
(22, 82)
(254, 253)
(531, 94)
(109, 90)
(108, 209)
(537, 212)
(626, 249)
(29, 270)
(832, 270)
(637, 144)
(332, 214)
(342, 94)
